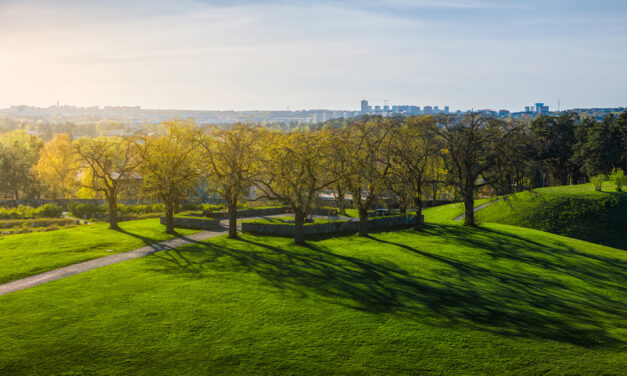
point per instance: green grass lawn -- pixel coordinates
(451, 300)
(576, 211)
(445, 213)
(24, 255)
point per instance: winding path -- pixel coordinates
(81, 267)
(478, 208)
(69, 270)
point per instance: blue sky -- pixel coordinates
(324, 54)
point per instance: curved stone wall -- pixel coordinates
(327, 228)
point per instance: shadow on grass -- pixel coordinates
(504, 297)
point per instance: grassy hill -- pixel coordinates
(450, 300)
(576, 211)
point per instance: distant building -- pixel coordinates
(364, 107)
(541, 108)
(427, 110)
(446, 109)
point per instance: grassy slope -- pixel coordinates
(576, 211)
(451, 300)
(28, 254)
(447, 213)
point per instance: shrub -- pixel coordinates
(618, 178)
(26, 212)
(86, 210)
(212, 207)
(35, 222)
(50, 211)
(598, 181)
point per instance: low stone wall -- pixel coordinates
(194, 223)
(248, 212)
(327, 228)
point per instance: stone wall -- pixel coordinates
(327, 228)
(243, 213)
(194, 223)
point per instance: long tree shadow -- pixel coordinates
(504, 300)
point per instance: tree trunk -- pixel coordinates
(418, 224)
(299, 226)
(169, 219)
(232, 220)
(341, 201)
(469, 204)
(113, 212)
(363, 221)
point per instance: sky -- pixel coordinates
(280, 54)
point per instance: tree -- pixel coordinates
(19, 151)
(293, 169)
(473, 146)
(57, 166)
(413, 149)
(110, 162)
(599, 148)
(170, 166)
(555, 142)
(231, 157)
(338, 163)
(368, 163)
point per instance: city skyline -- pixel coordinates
(274, 55)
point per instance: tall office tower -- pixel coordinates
(446, 109)
(364, 106)
(436, 110)
(427, 110)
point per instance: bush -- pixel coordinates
(26, 212)
(50, 211)
(86, 210)
(212, 207)
(189, 206)
(618, 178)
(37, 222)
(598, 181)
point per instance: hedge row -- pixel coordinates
(36, 222)
(28, 212)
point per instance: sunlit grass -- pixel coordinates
(450, 300)
(27, 254)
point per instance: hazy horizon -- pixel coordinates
(271, 55)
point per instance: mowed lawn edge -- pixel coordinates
(24, 255)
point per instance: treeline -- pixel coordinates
(406, 159)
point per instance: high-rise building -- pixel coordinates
(541, 108)
(427, 110)
(446, 109)
(364, 107)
